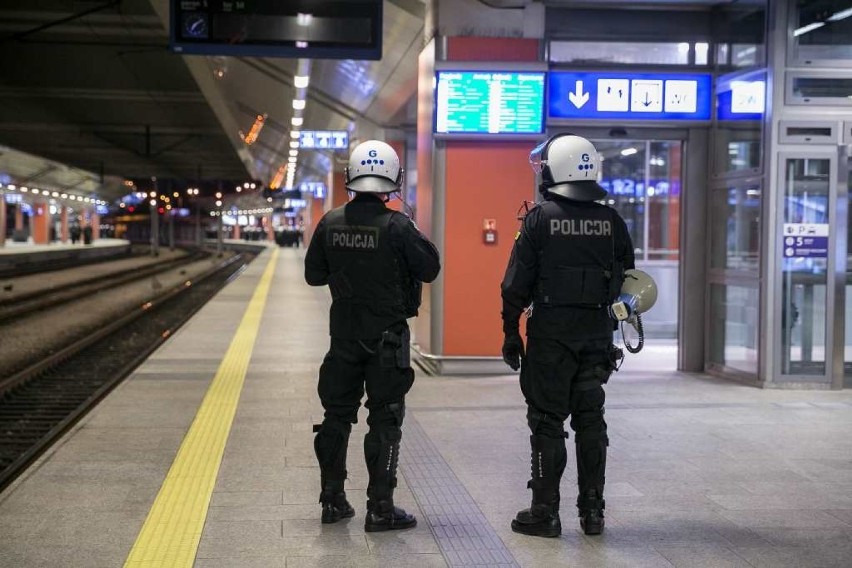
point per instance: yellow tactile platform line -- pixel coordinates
(171, 533)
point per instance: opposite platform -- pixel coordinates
(702, 472)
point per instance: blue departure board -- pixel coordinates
(489, 102)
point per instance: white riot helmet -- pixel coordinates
(569, 167)
(373, 168)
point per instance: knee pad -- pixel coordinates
(332, 436)
(545, 425)
(387, 417)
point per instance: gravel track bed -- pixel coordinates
(46, 281)
(24, 342)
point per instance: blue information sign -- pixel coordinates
(806, 240)
(631, 96)
(489, 102)
(743, 98)
(324, 139)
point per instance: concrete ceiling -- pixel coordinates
(92, 84)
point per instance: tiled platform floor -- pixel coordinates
(702, 472)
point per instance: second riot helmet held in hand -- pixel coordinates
(374, 168)
(569, 167)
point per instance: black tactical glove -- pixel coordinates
(513, 350)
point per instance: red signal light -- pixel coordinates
(131, 209)
(161, 210)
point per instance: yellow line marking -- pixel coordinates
(171, 533)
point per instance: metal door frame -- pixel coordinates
(835, 269)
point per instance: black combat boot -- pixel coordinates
(591, 507)
(382, 459)
(591, 467)
(547, 464)
(331, 444)
(334, 504)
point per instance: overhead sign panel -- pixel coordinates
(324, 139)
(631, 96)
(742, 98)
(272, 28)
(489, 102)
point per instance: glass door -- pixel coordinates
(644, 181)
(846, 158)
(804, 268)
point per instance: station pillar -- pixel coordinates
(237, 231)
(19, 218)
(464, 187)
(63, 224)
(41, 223)
(95, 221)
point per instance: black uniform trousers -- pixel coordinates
(350, 367)
(562, 379)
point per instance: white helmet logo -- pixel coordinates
(585, 157)
(372, 153)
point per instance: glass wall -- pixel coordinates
(822, 30)
(735, 220)
(734, 317)
(735, 226)
(643, 178)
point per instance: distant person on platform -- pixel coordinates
(87, 235)
(374, 260)
(74, 232)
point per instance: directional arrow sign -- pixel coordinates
(611, 95)
(578, 97)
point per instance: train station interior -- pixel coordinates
(164, 165)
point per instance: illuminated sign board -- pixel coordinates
(630, 96)
(250, 28)
(315, 188)
(489, 102)
(324, 139)
(742, 98)
(295, 203)
(806, 240)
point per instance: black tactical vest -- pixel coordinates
(366, 271)
(578, 266)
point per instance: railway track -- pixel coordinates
(39, 403)
(40, 300)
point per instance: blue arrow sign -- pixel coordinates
(631, 96)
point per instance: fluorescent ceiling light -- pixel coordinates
(294, 143)
(301, 44)
(295, 134)
(809, 28)
(294, 152)
(304, 19)
(841, 15)
(301, 81)
(297, 121)
(629, 151)
(298, 104)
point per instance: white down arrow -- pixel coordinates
(578, 97)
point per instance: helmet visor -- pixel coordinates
(536, 161)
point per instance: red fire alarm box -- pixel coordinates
(489, 231)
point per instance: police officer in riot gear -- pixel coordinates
(374, 261)
(568, 263)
